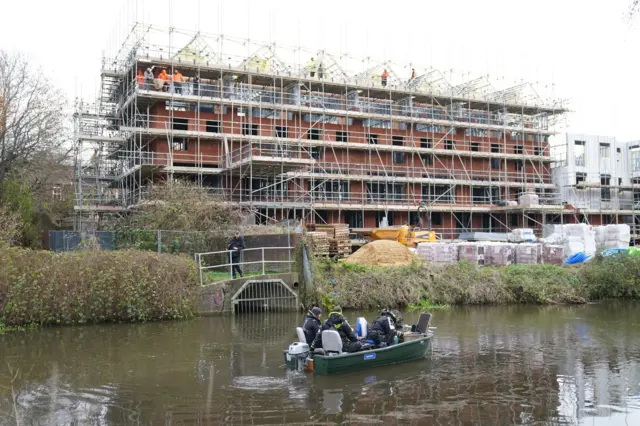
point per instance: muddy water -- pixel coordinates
(489, 366)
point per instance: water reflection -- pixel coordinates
(515, 365)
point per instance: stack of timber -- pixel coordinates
(339, 241)
(319, 243)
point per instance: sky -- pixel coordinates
(583, 51)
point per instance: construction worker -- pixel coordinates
(148, 78)
(178, 79)
(384, 77)
(140, 78)
(320, 71)
(164, 79)
(311, 67)
(413, 73)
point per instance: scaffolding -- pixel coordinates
(263, 128)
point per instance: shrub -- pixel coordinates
(363, 287)
(613, 277)
(40, 287)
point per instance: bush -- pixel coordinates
(613, 277)
(362, 287)
(40, 287)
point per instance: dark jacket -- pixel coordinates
(383, 326)
(310, 327)
(338, 323)
(236, 245)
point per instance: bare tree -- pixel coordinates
(633, 8)
(32, 115)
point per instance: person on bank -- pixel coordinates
(312, 324)
(236, 245)
(337, 322)
(383, 330)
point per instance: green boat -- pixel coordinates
(410, 350)
(401, 352)
(416, 345)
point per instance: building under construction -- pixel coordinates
(290, 133)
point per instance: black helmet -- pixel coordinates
(390, 314)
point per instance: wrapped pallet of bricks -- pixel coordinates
(438, 252)
(527, 254)
(319, 243)
(472, 253)
(552, 254)
(499, 254)
(529, 199)
(580, 233)
(617, 236)
(599, 235)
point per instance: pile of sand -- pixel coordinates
(382, 253)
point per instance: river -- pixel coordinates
(489, 366)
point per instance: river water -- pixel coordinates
(489, 366)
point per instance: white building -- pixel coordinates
(593, 174)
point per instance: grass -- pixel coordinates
(425, 305)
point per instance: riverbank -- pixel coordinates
(45, 288)
(423, 284)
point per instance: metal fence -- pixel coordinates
(59, 241)
(219, 265)
(159, 241)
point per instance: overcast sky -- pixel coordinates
(582, 50)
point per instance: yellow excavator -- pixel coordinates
(410, 237)
(404, 235)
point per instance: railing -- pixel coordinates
(261, 261)
(218, 91)
(317, 133)
(445, 198)
(430, 82)
(270, 150)
(392, 172)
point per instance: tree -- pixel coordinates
(633, 8)
(32, 115)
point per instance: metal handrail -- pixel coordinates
(198, 258)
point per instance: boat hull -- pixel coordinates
(402, 352)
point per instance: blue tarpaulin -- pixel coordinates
(612, 251)
(577, 258)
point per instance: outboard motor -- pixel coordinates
(296, 356)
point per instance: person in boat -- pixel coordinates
(336, 321)
(384, 329)
(312, 324)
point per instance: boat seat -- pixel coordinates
(302, 338)
(423, 323)
(331, 342)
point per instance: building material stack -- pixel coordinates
(339, 241)
(528, 254)
(529, 199)
(438, 252)
(472, 253)
(616, 236)
(499, 254)
(552, 254)
(319, 243)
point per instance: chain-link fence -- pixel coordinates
(162, 241)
